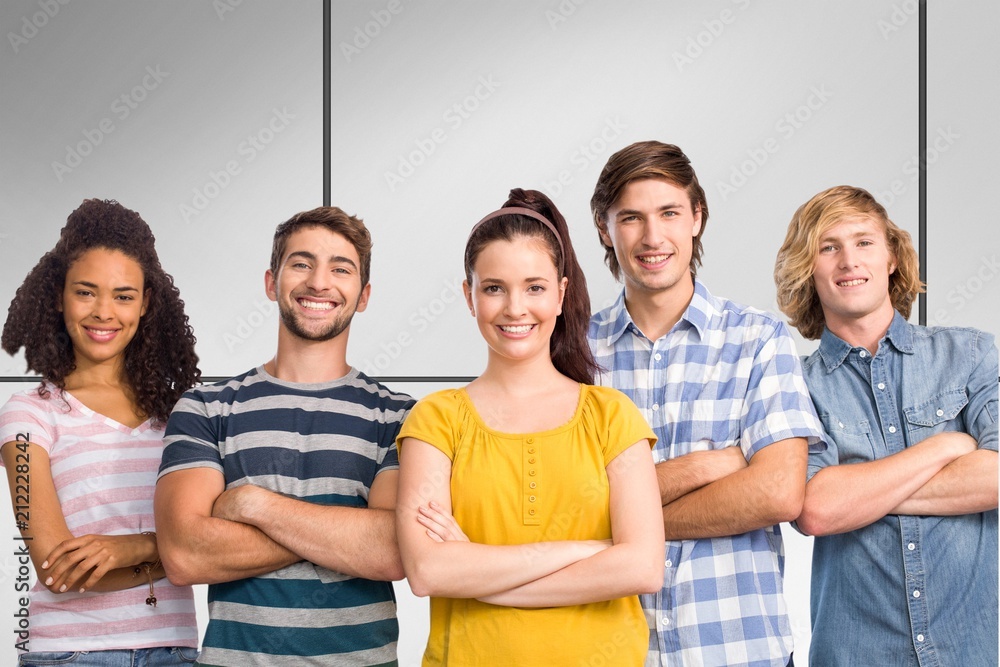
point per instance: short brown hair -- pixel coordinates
(793, 269)
(643, 160)
(350, 227)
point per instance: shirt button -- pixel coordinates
(840, 424)
(940, 413)
(530, 440)
(863, 354)
(531, 512)
(531, 485)
(531, 472)
(531, 499)
(916, 594)
(892, 429)
(658, 356)
(920, 638)
(669, 563)
(881, 385)
(666, 621)
(531, 450)
(911, 546)
(531, 460)
(656, 407)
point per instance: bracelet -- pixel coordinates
(148, 567)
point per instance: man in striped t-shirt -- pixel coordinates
(278, 487)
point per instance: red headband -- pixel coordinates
(518, 210)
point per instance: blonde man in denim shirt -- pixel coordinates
(904, 500)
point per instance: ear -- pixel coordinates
(366, 292)
(468, 296)
(602, 230)
(697, 222)
(562, 293)
(270, 285)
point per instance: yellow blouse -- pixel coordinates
(509, 488)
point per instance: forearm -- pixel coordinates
(470, 570)
(620, 571)
(965, 486)
(842, 498)
(207, 550)
(359, 542)
(124, 578)
(684, 474)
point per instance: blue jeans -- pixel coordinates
(143, 657)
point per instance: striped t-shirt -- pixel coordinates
(104, 475)
(322, 443)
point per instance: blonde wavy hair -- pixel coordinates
(793, 269)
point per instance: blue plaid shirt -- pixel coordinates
(723, 376)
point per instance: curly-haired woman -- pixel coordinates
(104, 326)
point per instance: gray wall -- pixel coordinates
(207, 119)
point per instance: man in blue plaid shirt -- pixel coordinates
(722, 387)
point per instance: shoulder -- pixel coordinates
(30, 402)
(607, 404)
(443, 402)
(380, 395)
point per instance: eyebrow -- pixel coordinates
(85, 283)
(334, 259)
(498, 281)
(853, 235)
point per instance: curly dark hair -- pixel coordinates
(159, 363)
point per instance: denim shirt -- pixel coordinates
(905, 590)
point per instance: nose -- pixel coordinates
(103, 308)
(514, 306)
(652, 234)
(319, 280)
(848, 257)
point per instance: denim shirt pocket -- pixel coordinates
(853, 438)
(934, 415)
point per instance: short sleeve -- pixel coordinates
(395, 414)
(434, 420)
(25, 418)
(191, 439)
(778, 406)
(621, 422)
(982, 388)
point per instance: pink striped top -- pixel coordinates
(104, 474)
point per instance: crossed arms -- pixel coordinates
(211, 535)
(440, 561)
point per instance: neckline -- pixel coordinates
(77, 404)
(351, 375)
(504, 434)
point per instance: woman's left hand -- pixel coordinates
(441, 526)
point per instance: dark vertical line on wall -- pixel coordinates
(922, 187)
(326, 102)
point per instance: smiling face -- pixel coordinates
(851, 273)
(516, 295)
(102, 302)
(318, 285)
(652, 228)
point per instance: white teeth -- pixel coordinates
(520, 329)
(316, 305)
(852, 283)
(654, 259)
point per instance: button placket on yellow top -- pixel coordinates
(531, 485)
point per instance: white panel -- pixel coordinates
(456, 103)
(963, 239)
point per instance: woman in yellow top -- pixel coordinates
(528, 506)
